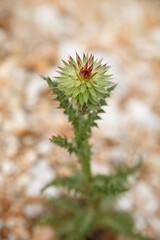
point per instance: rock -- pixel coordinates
(34, 88)
(40, 174)
(155, 34)
(52, 23)
(112, 121)
(32, 210)
(125, 203)
(140, 222)
(99, 168)
(155, 223)
(11, 144)
(140, 113)
(118, 155)
(7, 167)
(44, 147)
(42, 233)
(67, 48)
(19, 119)
(145, 198)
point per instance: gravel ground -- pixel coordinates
(34, 36)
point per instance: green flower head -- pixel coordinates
(84, 80)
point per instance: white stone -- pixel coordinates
(11, 144)
(140, 222)
(22, 181)
(117, 155)
(155, 34)
(32, 210)
(34, 88)
(44, 147)
(19, 74)
(7, 167)
(47, 18)
(99, 168)
(132, 12)
(67, 48)
(155, 223)
(3, 36)
(145, 197)
(19, 119)
(140, 113)
(11, 237)
(30, 156)
(7, 67)
(51, 22)
(125, 203)
(1, 179)
(40, 174)
(112, 121)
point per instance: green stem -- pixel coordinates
(83, 146)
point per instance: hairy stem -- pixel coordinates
(82, 145)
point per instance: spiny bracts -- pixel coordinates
(84, 80)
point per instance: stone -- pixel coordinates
(140, 113)
(40, 174)
(32, 210)
(8, 167)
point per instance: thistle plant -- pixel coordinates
(86, 206)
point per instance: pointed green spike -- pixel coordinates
(86, 96)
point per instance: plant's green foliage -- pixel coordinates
(125, 171)
(121, 222)
(83, 225)
(61, 98)
(49, 81)
(75, 182)
(63, 202)
(63, 142)
(100, 185)
(69, 182)
(86, 202)
(110, 89)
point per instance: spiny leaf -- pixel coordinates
(86, 96)
(63, 142)
(121, 222)
(49, 81)
(83, 225)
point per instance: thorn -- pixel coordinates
(94, 74)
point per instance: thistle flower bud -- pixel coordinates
(84, 80)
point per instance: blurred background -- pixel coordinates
(34, 36)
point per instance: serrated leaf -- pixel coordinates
(81, 99)
(77, 83)
(69, 91)
(120, 222)
(76, 91)
(86, 96)
(83, 88)
(89, 85)
(100, 89)
(92, 100)
(73, 100)
(92, 92)
(64, 203)
(49, 81)
(111, 88)
(83, 225)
